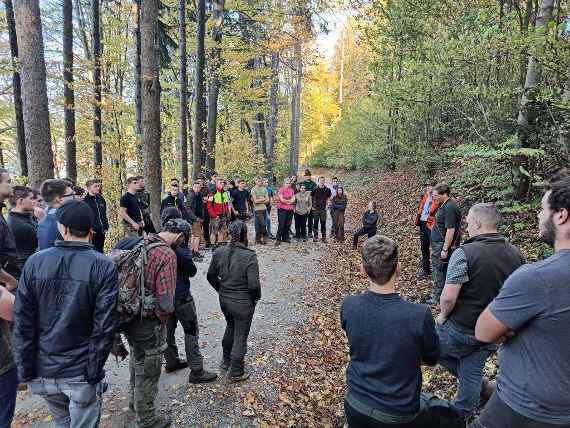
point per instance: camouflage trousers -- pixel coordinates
(147, 342)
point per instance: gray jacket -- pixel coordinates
(303, 203)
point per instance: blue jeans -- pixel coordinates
(464, 357)
(8, 390)
(72, 402)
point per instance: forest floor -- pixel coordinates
(297, 350)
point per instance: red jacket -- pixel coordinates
(432, 210)
(218, 204)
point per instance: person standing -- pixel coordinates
(98, 205)
(425, 220)
(22, 224)
(234, 274)
(174, 198)
(219, 213)
(8, 371)
(285, 209)
(146, 333)
(321, 196)
(303, 205)
(477, 271)
(530, 316)
(144, 204)
(131, 212)
(54, 193)
(195, 211)
(241, 200)
(65, 317)
(338, 206)
(370, 221)
(271, 195)
(260, 199)
(310, 185)
(388, 339)
(445, 236)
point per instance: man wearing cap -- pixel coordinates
(147, 334)
(65, 319)
(425, 219)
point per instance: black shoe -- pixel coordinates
(225, 365)
(288, 241)
(271, 237)
(238, 378)
(203, 376)
(179, 365)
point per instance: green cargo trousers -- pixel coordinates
(147, 342)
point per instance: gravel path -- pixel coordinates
(284, 271)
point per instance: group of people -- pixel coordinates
(65, 306)
(488, 299)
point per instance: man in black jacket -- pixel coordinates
(174, 198)
(98, 205)
(194, 204)
(65, 319)
(22, 223)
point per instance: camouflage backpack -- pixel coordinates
(130, 265)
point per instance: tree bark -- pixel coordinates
(96, 41)
(68, 91)
(564, 132)
(200, 111)
(82, 29)
(214, 90)
(138, 103)
(296, 112)
(150, 96)
(34, 91)
(273, 117)
(17, 89)
(526, 116)
(183, 131)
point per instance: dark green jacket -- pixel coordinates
(234, 273)
(310, 185)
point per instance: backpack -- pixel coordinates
(132, 284)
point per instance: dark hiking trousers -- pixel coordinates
(185, 314)
(338, 224)
(238, 315)
(260, 225)
(497, 414)
(284, 218)
(99, 242)
(439, 268)
(310, 223)
(369, 232)
(320, 216)
(300, 226)
(425, 239)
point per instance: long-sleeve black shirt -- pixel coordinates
(25, 231)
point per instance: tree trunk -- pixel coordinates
(214, 90)
(564, 132)
(200, 112)
(34, 91)
(68, 91)
(150, 97)
(273, 114)
(138, 103)
(17, 90)
(296, 112)
(82, 29)
(526, 117)
(96, 41)
(183, 131)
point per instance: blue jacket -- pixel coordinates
(47, 230)
(65, 315)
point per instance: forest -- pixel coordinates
(177, 88)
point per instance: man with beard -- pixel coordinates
(531, 315)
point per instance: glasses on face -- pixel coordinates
(69, 195)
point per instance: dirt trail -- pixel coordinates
(285, 272)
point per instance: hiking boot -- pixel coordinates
(239, 378)
(316, 237)
(179, 365)
(202, 376)
(324, 240)
(277, 243)
(225, 365)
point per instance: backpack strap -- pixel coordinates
(145, 249)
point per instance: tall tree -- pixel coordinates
(214, 90)
(272, 120)
(527, 113)
(296, 110)
(138, 103)
(200, 111)
(34, 91)
(16, 89)
(96, 41)
(183, 131)
(150, 97)
(68, 91)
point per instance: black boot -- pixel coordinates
(237, 372)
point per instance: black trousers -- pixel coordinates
(356, 419)
(425, 239)
(284, 217)
(300, 226)
(238, 315)
(370, 232)
(320, 216)
(206, 228)
(99, 242)
(310, 223)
